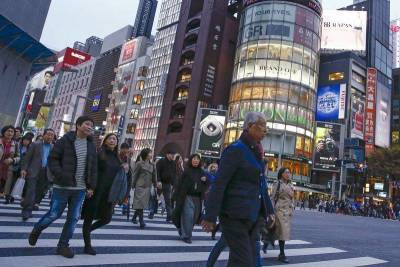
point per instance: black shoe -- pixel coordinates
(134, 221)
(142, 225)
(282, 258)
(7, 200)
(151, 216)
(168, 220)
(12, 200)
(66, 252)
(25, 218)
(34, 236)
(36, 207)
(89, 250)
(187, 240)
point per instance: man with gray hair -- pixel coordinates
(239, 195)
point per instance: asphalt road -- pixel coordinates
(319, 239)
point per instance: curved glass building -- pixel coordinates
(276, 72)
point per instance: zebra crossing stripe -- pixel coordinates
(142, 258)
(351, 262)
(46, 243)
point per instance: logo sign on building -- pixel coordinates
(344, 30)
(331, 102)
(128, 52)
(96, 103)
(69, 58)
(370, 103)
(357, 116)
(211, 133)
(327, 141)
(312, 4)
(383, 106)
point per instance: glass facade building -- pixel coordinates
(276, 72)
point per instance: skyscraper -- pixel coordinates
(153, 93)
(145, 18)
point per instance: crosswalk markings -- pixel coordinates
(121, 233)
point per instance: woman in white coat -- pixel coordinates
(282, 196)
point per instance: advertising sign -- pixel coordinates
(69, 58)
(128, 52)
(211, 134)
(42, 79)
(331, 102)
(344, 30)
(42, 117)
(383, 104)
(327, 141)
(357, 116)
(312, 4)
(96, 103)
(370, 103)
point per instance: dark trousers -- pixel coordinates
(88, 226)
(242, 237)
(166, 190)
(31, 191)
(42, 186)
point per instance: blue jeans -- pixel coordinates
(59, 201)
(221, 245)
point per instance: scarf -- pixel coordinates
(255, 147)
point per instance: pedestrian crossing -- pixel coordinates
(122, 243)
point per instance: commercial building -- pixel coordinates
(144, 18)
(20, 51)
(117, 38)
(128, 86)
(395, 42)
(70, 100)
(200, 73)
(153, 93)
(396, 107)
(92, 46)
(276, 72)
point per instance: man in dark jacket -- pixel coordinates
(33, 169)
(166, 172)
(239, 194)
(73, 162)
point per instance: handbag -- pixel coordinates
(18, 188)
(119, 187)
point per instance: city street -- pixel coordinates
(319, 239)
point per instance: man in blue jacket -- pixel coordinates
(239, 195)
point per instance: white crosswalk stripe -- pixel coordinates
(121, 242)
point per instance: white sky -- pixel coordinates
(75, 20)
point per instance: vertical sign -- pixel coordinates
(342, 101)
(370, 103)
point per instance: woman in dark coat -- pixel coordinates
(190, 197)
(97, 207)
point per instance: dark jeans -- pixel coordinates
(221, 245)
(242, 237)
(59, 201)
(31, 191)
(166, 190)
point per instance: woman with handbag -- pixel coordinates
(98, 206)
(282, 194)
(144, 176)
(9, 156)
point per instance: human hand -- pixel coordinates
(125, 166)
(159, 185)
(23, 173)
(89, 193)
(203, 178)
(207, 226)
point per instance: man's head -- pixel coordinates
(47, 77)
(256, 125)
(170, 155)
(124, 149)
(84, 126)
(18, 132)
(48, 136)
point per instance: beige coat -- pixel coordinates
(144, 176)
(283, 209)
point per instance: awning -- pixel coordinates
(306, 189)
(14, 38)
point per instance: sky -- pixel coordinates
(75, 20)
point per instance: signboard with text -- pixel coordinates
(331, 102)
(370, 103)
(327, 141)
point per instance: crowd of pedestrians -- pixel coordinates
(230, 195)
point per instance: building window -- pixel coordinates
(182, 94)
(134, 113)
(336, 76)
(143, 71)
(140, 85)
(137, 99)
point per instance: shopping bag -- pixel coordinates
(18, 188)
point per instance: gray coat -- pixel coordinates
(32, 162)
(284, 208)
(144, 175)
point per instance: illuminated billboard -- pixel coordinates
(383, 105)
(129, 51)
(344, 30)
(331, 102)
(357, 116)
(69, 58)
(370, 110)
(327, 141)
